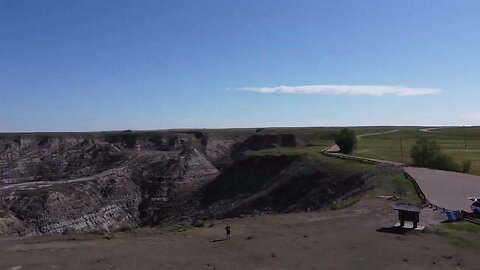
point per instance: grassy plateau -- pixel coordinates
(460, 143)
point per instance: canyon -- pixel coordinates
(62, 183)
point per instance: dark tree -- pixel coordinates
(424, 152)
(427, 153)
(346, 140)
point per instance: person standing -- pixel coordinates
(227, 229)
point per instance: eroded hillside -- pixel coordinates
(87, 182)
(63, 183)
(268, 184)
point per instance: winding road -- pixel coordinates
(448, 190)
(377, 133)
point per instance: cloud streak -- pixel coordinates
(472, 115)
(372, 90)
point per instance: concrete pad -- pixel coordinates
(409, 225)
(449, 190)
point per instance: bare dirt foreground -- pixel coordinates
(342, 239)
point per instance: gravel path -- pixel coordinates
(377, 133)
(429, 130)
(448, 190)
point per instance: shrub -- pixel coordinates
(445, 162)
(467, 163)
(424, 151)
(346, 140)
(427, 153)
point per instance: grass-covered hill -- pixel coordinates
(277, 183)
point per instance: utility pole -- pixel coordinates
(465, 136)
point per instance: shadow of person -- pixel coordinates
(219, 240)
(394, 230)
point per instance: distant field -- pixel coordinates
(384, 146)
(316, 135)
(318, 138)
(451, 140)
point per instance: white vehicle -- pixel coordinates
(475, 205)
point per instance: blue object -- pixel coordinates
(453, 215)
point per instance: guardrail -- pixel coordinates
(354, 158)
(419, 191)
(421, 195)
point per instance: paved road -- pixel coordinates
(448, 190)
(377, 133)
(430, 130)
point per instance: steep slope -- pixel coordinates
(104, 203)
(93, 182)
(47, 159)
(100, 182)
(164, 178)
(259, 184)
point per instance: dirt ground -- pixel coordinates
(342, 239)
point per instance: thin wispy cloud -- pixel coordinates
(472, 115)
(372, 90)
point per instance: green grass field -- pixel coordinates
(390, 180)
(463, 234)
(385, 146)
(451, 140)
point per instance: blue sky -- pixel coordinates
(109, 65)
